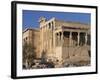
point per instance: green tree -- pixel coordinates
(29, 55)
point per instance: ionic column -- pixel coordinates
(70, 39)
(85, 38)
(78, 38)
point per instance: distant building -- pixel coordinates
(32, 37)
(60, 40)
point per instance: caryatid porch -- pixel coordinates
(70, 37)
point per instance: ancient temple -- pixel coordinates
(62, 40)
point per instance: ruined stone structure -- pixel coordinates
(30, 36)
(61, 40)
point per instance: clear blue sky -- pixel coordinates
(30, 17)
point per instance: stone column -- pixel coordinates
(55, 39)
(62, 38)
(86, 39)
(78, 38)
(70, 39)
(58, 38)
